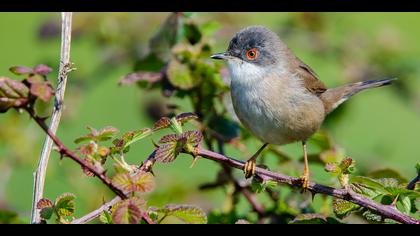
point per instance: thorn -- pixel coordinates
(313, 195)
(155, 144)
(194, 161)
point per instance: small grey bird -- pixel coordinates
(275, 95)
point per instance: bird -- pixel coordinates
(278, 97)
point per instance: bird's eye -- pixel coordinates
(251, 54)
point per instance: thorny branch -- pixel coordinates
(388, 211)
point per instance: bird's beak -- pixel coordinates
(221, 56)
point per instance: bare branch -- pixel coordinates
(39, 175)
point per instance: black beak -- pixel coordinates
(221, 56)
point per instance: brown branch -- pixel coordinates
(64, 151)
(384, 210)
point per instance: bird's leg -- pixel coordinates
(305, 177)
(249, 168)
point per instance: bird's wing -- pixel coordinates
(310, 78)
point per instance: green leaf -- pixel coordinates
(314, 219)
(105, 217)
(343, 208)
(161, 43)
(98, 136)
(46, 213)
(186, 213)
(128, 211)
(192, 33)
(406, 204)
(65, 204)
(370, 216)
(209, 28)
(259, 186)
(371, 183)
(388, 173)
(135, 136)
(179, 75)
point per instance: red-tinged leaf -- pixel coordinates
(162, 123)
(169, 138)
(42, 69)
(87, 150)
(143, 182)
(103, 151)
(35, 78)
(12, 89)
(123, 181)
(128, 212)
(20, 70)
(185, 117)
(141, 77)
(42, 90)
(331, 167)
(169, 151)
(98, 136)
(44, 203)
(193, 137)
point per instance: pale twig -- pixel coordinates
(39, 175)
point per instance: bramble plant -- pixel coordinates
(178, 65)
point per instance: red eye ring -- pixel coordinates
(251, 54)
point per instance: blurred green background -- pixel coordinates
(378, 128)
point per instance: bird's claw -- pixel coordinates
(249, 168)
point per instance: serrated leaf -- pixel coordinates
(105, 217)
(369, 215)
(20, 70)
(371, 183)
(44, 202)
(98, 136)
(343, 208)
(143, 182)
(65, 204)
(169, 151)
(185, 117)
(162, 123)
(46, 213)
(180, 76)
(127, 212)
(258, 186)
(406, 204)
(193, 137)
(135, 136)
(313, 219)
(169, 138)
(42, 69)
(186, 213)
(140, 182)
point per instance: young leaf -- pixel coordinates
(42, 69)
(371, 183)
(128, 212)
(169, 151)
(186, 213)
(65, 204)
(185, 117)
(192, 137)
(42, 90)
(162, 123)
(12, 94)
(46, 207)
(105, 217)
(98, 136)
(143, 182)
(20, 70)
(135, 136)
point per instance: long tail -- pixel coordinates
(332, 98)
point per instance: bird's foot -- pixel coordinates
(249, 168)
(305, 182)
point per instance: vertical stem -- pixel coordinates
(39, 175)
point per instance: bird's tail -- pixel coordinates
(332, 98)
